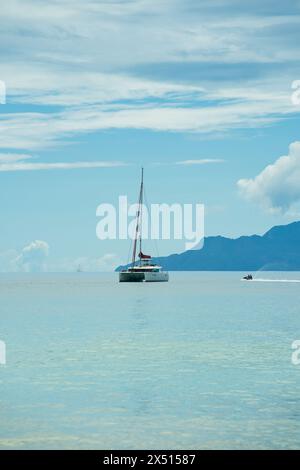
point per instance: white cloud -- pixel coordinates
(201, 161)
(277, 187)
(52, 85)
(89, 59)
(117, 34)
(13, 157)
(24, 166)
(33, 257)
(41, 130)
(107, 262)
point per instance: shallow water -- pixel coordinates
(203, 362)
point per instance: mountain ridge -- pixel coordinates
(277, 249)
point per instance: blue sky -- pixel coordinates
(103, 87)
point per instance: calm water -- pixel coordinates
(203, 361)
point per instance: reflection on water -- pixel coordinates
(140, 307)
(275, 280)
(200, 362)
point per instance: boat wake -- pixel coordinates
(272, 280)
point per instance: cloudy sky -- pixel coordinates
(203, 94)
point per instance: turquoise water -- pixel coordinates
(203, 362)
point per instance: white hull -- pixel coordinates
(161, 276)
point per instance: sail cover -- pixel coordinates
(142, 256)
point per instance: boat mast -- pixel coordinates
(138, 228)
(141, 212)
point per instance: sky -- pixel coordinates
(204, 95)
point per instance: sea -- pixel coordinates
(201, 362)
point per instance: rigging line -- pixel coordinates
(141, 213)
(137, 222)
(147, 206)
(129, 251)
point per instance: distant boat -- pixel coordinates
(142, 269)
(248, 277)
(79, 269)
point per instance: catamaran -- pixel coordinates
(142, 269)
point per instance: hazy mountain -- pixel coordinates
(277, 249)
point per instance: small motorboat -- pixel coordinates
(248, 277)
